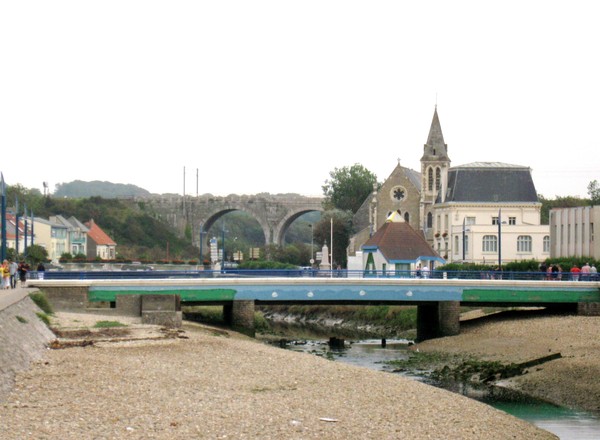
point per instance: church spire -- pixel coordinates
(435, 148)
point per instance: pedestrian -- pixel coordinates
(543, 269)
(40, 270)
(555, 271)
(23, 269)
(585, 272)
(549, 272)
(13, 273)
(593, 273)
(425, 271)
(5, 275)
(418, 272)
(575, 271)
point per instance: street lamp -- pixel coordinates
(500, 238)
(312, 246)
(464, 238)
(202, 234)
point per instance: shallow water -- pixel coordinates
(565, 423)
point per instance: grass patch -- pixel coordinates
(21, 319)
(44, 318)
(41, 300)
(109, 324)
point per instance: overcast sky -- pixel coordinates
(270, 96)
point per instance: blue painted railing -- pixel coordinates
(296, 273)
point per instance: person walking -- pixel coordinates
(13, 273)
(585, 272)
(593, 273)
(5, 275)
(575, 271)
(23, 269)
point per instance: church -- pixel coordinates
(481, 212)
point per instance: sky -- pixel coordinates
(243, 97)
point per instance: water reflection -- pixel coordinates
(565, 423)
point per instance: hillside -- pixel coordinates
(96, 188)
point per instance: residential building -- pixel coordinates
(76, 234)
(99, 244)
(52, 236)
(572, 232)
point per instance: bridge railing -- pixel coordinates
(297, 273)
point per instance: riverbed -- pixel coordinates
(565, 423)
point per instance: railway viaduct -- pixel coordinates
(274, 213)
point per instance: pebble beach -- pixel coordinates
(209, 383)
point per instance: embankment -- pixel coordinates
(24, 337)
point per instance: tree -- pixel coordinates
(348, 187)
(36, 254)
(594, 192)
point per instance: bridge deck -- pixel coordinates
(343, 290)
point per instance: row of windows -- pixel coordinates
(468, 221)
(490, 243)
(431, 182)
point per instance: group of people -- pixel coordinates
(585, 272)
(11, 271)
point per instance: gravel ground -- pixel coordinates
(516, 337)
(209, 383)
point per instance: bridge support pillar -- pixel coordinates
(588, 309)
(240, 315)
(438, 319)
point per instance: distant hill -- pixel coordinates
(96, 188)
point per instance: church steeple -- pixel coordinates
(435, 149)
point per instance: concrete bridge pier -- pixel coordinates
(240, 316)
(438, 319)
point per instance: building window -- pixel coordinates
(466, 244)
(512, 220)
(495, 220)
(430, 179)
(591, 232)
(524, 243)
(406, 217)
(429, 220)
(546, 244)
(490, 243)
(469, 220)
(438, 179)
(455, 244)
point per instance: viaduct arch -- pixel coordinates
(274, 213)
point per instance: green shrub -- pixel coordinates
(44, 318)
(41, 301)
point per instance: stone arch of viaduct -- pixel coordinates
(274, 213)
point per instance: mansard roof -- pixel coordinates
(482, 182)
(435, 148)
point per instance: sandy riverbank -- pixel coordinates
(516, 337)
(207, 383)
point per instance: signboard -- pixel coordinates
(319, 256)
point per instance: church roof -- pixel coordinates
(435, 148)
(483, 182)
(399, 242)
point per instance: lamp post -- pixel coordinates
(312, 235)
(202, 234)
(500, 239)
(464, 236)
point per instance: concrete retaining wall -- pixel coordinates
(23, 339)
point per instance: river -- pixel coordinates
(566, 424)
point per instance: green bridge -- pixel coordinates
(438, 300)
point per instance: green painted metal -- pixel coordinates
(185, 294)
(525, 296)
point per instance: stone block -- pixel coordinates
(588, 309)
(163, 318)
(129, 305)
(157, 302)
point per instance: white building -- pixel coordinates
(572, 232)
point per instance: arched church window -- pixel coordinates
(429, 220)
(438, 179)
(430, 179)
(406, 217)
